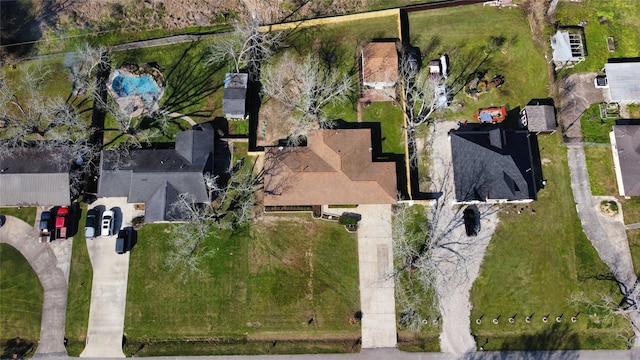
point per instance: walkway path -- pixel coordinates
(53, 272)
(607, 235)
(375, 257)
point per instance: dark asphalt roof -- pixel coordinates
(156, 176)
(32, 161)
(492, 163)
(628, 152)
(234, 102)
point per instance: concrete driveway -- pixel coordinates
(457, 256)
(577, 93)
(53, 273)
(375, 260)
(109, 290)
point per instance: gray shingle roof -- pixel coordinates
(156, 176)
(540, 118)
(492, 163)
(30, 177)
(624, 80)
(627, 139)
(235, 95)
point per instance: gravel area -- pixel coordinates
(460, 256)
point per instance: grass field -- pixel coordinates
(617, 18)
(391, 121)
(602, 177)
(465, 33)
(631, 210)
(26, 214)
(634, 245)
(285, 278)
(535, 261)
(594, 128)
(79, 295)
(21, 297)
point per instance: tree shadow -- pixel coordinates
(553, 342)
(20, 28)
(189, 82)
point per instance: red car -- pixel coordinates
(61, 222)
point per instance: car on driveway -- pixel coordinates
(471, 217)
(123, 242)
(90, 225)
(106, 229)
(3, 219)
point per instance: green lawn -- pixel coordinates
(602, 177)
(634, 245)
(594, 128)
(391, 120)
(79, 295)
(411, 294)
(464, 32)
(26, 214)
(21, 297)
(622, 22)
(631, 209)
(534, 262)
(263, 282)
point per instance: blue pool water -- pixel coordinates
(126, 85)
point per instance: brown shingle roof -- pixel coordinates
(335, 168)
(380, 62)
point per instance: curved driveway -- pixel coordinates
(54, 280)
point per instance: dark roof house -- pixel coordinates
(31, 177)
(539, 118)
(625, 141)
(155, 177)
(234, 100)
(335, 168)
(492, 164)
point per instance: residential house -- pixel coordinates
(31, 177)
(335, 168)
(539, 118)
(625, 141)
(623, 81)
(379, 65)
(492, 164)
(155, 177)
(234, 100)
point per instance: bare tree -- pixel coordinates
(605, 309)
(231, 206)
(420, 94)
(306, 88)
(246, 47)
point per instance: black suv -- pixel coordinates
(471, 220)
(123, 242)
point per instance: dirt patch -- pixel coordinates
(176, 14)
(546, 161)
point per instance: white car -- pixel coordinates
(106, 229)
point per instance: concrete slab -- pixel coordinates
(377, 298)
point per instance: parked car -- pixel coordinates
(471, 217)
(123, 242)
(61, 222)
(90, 225)
(413, 59)
(45, 227)
(106, 228)
(3, 219)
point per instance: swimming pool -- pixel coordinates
(127, 85)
